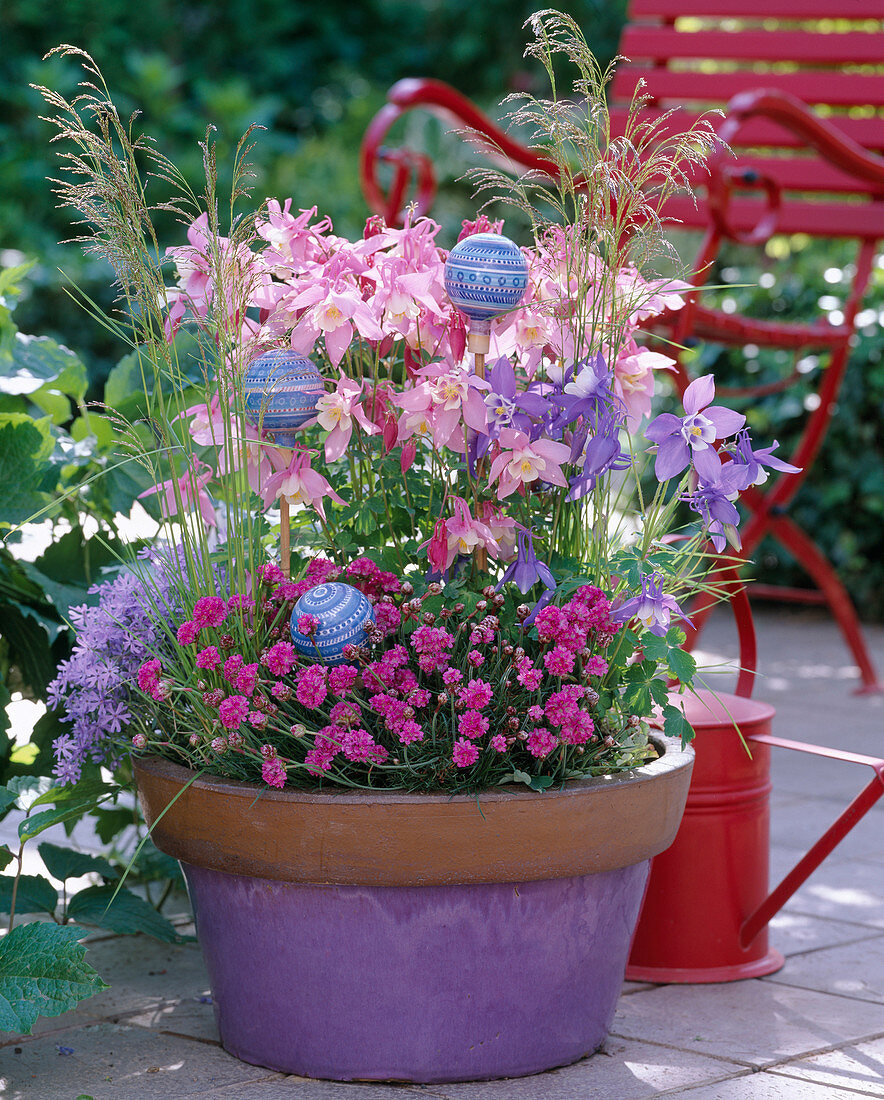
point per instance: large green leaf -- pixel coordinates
(40, 365)
(29, 639)
(127, 913)
(26, 470)
(43, 973)
(64, 863)
(71, 808)
(35, 894)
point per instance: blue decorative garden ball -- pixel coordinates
(343, 612)
(281, 391)
(485, 275)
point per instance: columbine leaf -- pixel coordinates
(127, 913)
(654, 647)
(42, 973)
(682, 665)
(676, 725)
(64, 863)
(35, 894)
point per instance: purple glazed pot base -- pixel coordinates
(423, 983)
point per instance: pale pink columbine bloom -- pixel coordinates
(300, 484)
(524, 332)
(502, 528)
(465, 533)
(451, 399)
(207, 424)
(651, 298)
(336, 413)
(521, 462)
(293, 241)
(634, 377)
(192, 490)
(333, 311)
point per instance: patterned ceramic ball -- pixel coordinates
(343, 612)
(281, 391)
(485, 275)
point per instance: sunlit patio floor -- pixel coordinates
(813, 1030)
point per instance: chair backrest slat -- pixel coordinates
(795, 10)
(693, 55)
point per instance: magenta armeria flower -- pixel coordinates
(476, 658)
(344, 714)
(256, 719)
(233, 711)
(247, 679)
(465, 753)
(232, 666)
(451, 677)
(359, 746)
(280, 658)
(341, 678)
(528, 676)
(208, 657)
(498, 742)
(578, 729)
(209, 611)
(281, 691)
(273, 772)
(271, 574)
(472, 724)
(187, 633)
(312, 688)
(595, 666)
(559, 661)
(541, 742)
(308, 625)
(476, 695)
(148, 674)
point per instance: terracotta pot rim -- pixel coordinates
(391, 838)
(672, 758)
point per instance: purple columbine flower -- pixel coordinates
(713, 501)
(505, 406)
(526, 570)
(653, 608)
(683, 439)
(588, 393)
(753, 462)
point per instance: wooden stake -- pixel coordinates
(479, 359)
(285, 550)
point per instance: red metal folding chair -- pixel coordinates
(815, 171)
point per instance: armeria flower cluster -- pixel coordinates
(442, 694)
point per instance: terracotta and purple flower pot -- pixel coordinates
(408, 937)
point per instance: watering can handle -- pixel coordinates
(739, 601)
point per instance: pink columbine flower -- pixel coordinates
(465, 753)
(192, 491)
(337, 412)
(521, 462)
(299, 483)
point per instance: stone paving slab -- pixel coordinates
(303, 1088)
(800, 822)
(766, 1086)
(794, 933)
(851, 970)
(754, 1023)
(118, 1062)
(860, 1068)
(624, 1069)
(847, 890)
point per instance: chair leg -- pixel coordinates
(808, 555)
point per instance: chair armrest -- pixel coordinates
(451, 107)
